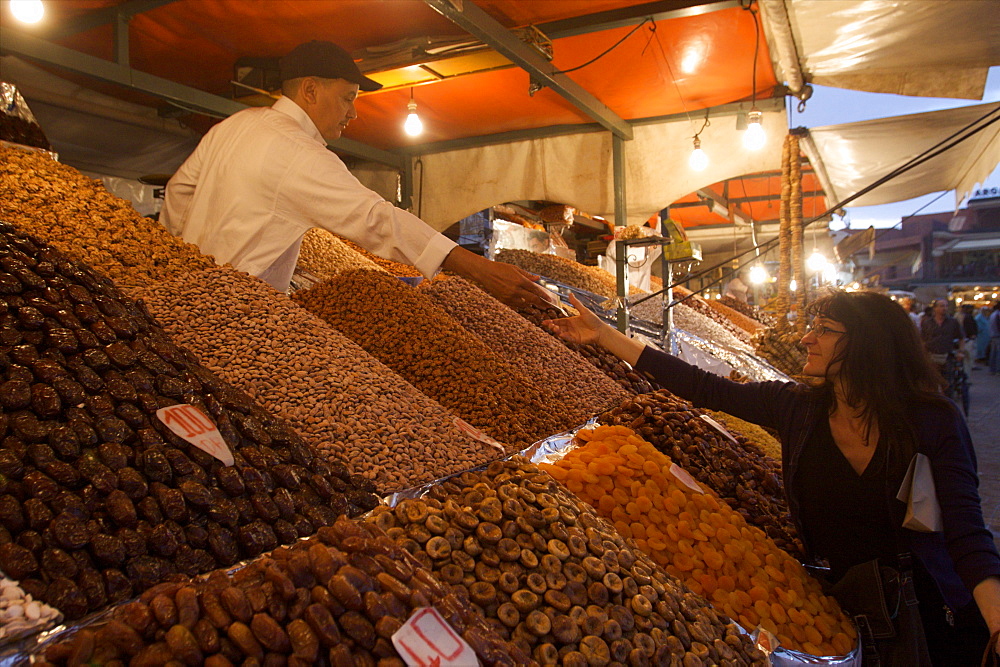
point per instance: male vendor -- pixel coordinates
(260, 179)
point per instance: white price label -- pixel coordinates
(685, 478)
(189, 422)
(720, 428)
(427, 640)
(474, 432)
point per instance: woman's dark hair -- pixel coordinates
(884, 368)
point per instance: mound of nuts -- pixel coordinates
(597, 356)
(392, 267)
(564, 270)
(748, 324)
(20, 614)
(752, 433)
(345, 403)
(335, 599)
(99, 499)
(61, 206)
(582, 389)
(746, 309)
(697, 538)
(403, 328)
(738, 471)
(548, 573)
(324, 255)
(702, 306)
(693, 321)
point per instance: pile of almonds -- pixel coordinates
(345, 403)
(324, 254)
(579, 386)
(20, 614)
(336, 599)
(699, 539)
(59, 205)
(562, 270)
(402, 327)
(388, 265)
(738, 471)
(555, 579)
(99, 498)
(748, 324)
(597, 356)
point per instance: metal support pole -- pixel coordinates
(121, 38)
(621, 275)
(621, 219)
(670, 340)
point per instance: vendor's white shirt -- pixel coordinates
(259, 180)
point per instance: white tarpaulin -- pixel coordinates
(856, 155)
(931, 48)
(577, 169)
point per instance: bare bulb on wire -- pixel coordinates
(699, 159)
(413, 125)
(754, 137)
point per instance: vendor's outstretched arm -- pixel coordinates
(588, 328)
(515, 287)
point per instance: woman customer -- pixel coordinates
(846, 445)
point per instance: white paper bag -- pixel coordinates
(923, 513)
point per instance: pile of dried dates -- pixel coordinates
(335, 599)
(99, 499)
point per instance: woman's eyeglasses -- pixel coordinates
(821, 330)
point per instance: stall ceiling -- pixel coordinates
(668, 66)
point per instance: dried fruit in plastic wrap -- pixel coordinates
(738, 471)
(234, 617)
(699, 539)
(548, 573)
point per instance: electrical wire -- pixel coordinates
(611, 48)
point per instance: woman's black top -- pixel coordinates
(845, 515)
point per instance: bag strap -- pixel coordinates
(990, 656)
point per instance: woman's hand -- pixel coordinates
(582, 329)
(588, 328)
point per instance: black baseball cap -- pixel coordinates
(326, 60)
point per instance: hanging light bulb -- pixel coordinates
(754, 137)
(758, 275)
(413, 125)
(698, 160)
(816, 261)
(27, 11)
(793, 285)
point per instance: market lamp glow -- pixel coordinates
(816, 261)
(699, 159)
(758, 275)
(754, 138)
(27, 11)
(793, 285)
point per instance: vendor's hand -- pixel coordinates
(515, 287)
(583, 328)
(511, 285)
